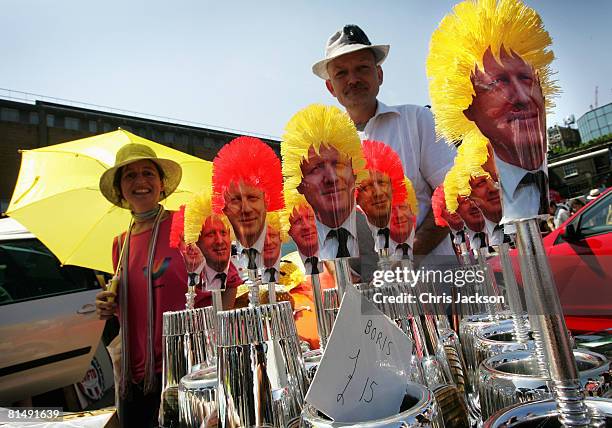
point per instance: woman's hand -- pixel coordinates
(104, 308)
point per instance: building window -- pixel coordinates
(71, 123)
(9, 114)
(93, 126)
(50, 120)
(33, 118)
(601, 163)
(578, 188)
(168, 137)
(108, 127)
(570, 170)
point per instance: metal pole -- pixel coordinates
(343, 276)
(319, 310)
(543, 303)
(513, 293)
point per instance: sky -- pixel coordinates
(246, 65)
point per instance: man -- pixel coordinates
(321, 160)
(402, 227)
(210, 235)
(384, 185)
(500, 97)
(275, 236)
(353, 75)
(444, 218)
(247, 182)
(215, 244)
(456, 195)
(485, 194)
(303, 231)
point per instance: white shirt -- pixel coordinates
(398, 253)
(458, 238)
(211, 282)
(409, 130)
(518, 203)
(379, 240)
(475, 243)
(258, 245)
(328, 248)
(308, 265)
(496, 237)
(265, 277)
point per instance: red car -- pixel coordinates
(580, 256)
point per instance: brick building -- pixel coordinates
(31, 125)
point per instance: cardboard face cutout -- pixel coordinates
(471, 214)
(374, 196)
(328, 185)
(508, 109)
(272, 247)
(245, 208)
(485, 194)
(403, 223)
(215, 243)
(303, 230)
(454, 220)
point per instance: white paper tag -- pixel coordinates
(365, 366)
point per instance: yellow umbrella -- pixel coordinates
(58, 199)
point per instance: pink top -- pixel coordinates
(169, 287)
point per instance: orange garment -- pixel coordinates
(306, 320)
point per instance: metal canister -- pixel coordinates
(514, 377)
(419, 410)
(197, 395)
(262, 379)
(544, 414)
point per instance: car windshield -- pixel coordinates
(597, 218)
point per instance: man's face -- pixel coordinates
(489, 165)
(454, 220)
(374, 197)
(402, 222)
(303, 230)
(245, 207)
(508, 108)
(272, 247)
(354, 79)
(485, 193)
(328, 184)
(470, 214)
(215, 243)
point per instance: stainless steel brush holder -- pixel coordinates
(419, 410)
(188, 342)
(262, 378)
(197, 396)
(514, 377)
(544, 414)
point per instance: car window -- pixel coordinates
(28, 270)
(598, 218)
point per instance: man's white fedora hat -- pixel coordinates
(350, 39)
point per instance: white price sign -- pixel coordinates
(365, 367)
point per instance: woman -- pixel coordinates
(152, 276)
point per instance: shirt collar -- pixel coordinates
(211, 273)
(489, 227)
(511, 175)
(259, 244)
(382, 108)
(349, 224)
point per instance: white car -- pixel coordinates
(49, 330)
